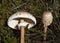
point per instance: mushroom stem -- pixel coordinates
(45, 33)
(22, 34)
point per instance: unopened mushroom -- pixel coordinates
(47, 19)
(20, 20)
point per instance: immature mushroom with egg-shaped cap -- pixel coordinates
(47, 19)
(20, 20)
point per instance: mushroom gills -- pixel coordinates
(25, 19)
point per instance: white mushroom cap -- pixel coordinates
(47, 18)
(23, 15)
(12, 22)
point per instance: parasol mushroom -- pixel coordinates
(47, 19)
(20, 20)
